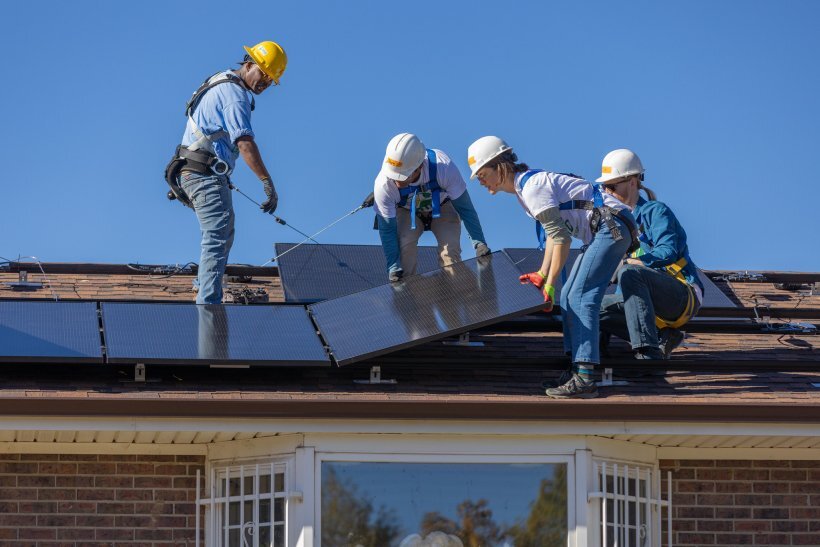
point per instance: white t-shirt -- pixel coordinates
(387, 197)
(544, 190)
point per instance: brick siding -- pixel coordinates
(95, 500)
(743, 502)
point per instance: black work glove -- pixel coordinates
(269, 205)
(396, 276)
(369, 200)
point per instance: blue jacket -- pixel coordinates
(663, 239)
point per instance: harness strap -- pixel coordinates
(432, 185)
(206, 141)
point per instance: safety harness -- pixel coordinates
(676, 271)
(432, 186)
(600, 214)
(199, 156)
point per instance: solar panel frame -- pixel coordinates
(190, 334)
(442, 298)
(49, 332)
(313, 273)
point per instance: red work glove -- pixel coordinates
(536, 278)
(539, 280)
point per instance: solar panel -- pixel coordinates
(424, 307)
(211, 334)
(312, 273)
(50, 332)
(713, 297)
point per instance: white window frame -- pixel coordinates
(651, 504)
(216, 506)
(322, 457)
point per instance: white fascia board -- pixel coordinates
(680, 453)
(463, 427)
(102, 448)
(253, 448)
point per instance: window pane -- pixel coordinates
(264, 536)
(492, 505)
(279, 509)
(248, 486)
(280, 482)
(233, 513)
(264, 510)
(264, 484)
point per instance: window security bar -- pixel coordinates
(246, 507)
(628, 507)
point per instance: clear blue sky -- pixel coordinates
(720, 99)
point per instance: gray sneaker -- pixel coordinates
(575, 388)
(669, 339)
(652, 354)
(562, 379)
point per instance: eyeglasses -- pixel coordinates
(614, 185)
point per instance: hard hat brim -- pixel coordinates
(389, 172)
(475, 168)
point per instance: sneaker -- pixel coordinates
(651, 354)
(575, 388)
(669, 340)
(565, 377)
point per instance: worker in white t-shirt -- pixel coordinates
(564, 207)
(420, 189)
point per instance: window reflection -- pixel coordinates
(459, 505)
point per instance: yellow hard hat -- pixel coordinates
(270, 57)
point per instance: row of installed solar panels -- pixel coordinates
(342, 330)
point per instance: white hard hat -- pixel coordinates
(620, 163)
(482, 151)
(404, 154)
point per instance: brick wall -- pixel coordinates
(96, 500)
(744, 502)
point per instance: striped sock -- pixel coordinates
(586, 370)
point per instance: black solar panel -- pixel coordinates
(312, 273)
(218, 334)
(425, 307)
(50, 332)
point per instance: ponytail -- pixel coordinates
(649, 192)
(508, 163)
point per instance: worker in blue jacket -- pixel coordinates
(658, 286)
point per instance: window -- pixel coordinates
(247, 506)
(406, 504)
(630, 510)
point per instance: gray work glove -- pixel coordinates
(482, 250)
(269, 205)
(369, 201)
(396, 276)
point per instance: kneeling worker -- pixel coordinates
(420, 189)
(218, 131)
(658, 287)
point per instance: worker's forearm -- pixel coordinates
(560, 253)
(250, 153)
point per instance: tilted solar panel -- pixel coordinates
(50, 332)
(424, 307)
(211, 334)
(312, 273)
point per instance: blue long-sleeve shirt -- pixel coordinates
(663, 239)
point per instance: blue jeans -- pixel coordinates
(644, 293)
(584, 290)
(214, 208)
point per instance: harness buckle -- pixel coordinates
(220, 167)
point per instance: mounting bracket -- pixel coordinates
(375, 377)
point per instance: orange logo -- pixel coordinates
(471, 160)
(394, 163)
(606, 170)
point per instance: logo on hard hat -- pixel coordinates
(471, 160)
(262, 50)
(605, 169)
(394, 163)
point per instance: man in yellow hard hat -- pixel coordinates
(217, 133)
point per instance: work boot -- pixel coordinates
(650, 354)
(575, 388)
(562, 379)
(669, 340)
